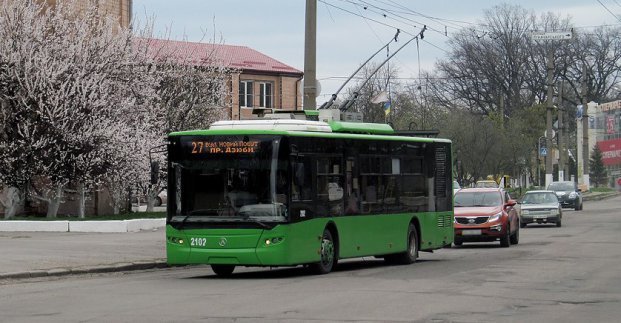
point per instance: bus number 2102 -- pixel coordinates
(198, 242)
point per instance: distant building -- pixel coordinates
(261, 82)
(120, 10)
(605, 132)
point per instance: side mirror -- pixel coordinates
(511, 203)
(579, 190)
(155, 172)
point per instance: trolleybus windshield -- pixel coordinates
(232, 178)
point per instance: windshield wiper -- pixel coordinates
(261, 224)
(180, 226)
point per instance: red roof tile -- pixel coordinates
(240, 57)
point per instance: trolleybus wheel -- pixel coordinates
(410, 255)
(328, 255)
(223, 270)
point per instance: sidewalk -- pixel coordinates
(41, 254)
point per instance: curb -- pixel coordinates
(107, 226)
(56, 272)
(599, 197)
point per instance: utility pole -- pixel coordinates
(310, 56)
(549, 107)
(562, 158)
(585, 130)
(552, 36)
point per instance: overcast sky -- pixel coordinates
(344, 38)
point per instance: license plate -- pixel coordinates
(541, 217)
(471, 232)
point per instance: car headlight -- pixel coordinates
(494, 217)
(572, 195)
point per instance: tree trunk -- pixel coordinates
(13, 202)
(81, 201)
(54, 202)
(150, 200)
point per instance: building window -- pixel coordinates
(245, 94)
(265, 95)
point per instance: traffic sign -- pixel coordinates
(540, 35)
(543, 151)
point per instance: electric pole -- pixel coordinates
(585, 130)
(562, 158)
(549, 107)
(551, 36)
(310, 56)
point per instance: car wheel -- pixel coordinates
(158, 201)
(577, 207)
(522, 225)
(223, 270)
(504, 240)
(515, 238)
(328, 255)
(458, 242)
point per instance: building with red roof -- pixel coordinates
(258, 81)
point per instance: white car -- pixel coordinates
(456, 187)
(161, 198)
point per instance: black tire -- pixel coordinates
(223, 270)
(577, 207)
(559, 222)
(411, 253)
(515, 238)
(328, 255)
(504, 240)
(522, 225)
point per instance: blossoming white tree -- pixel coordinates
(83, 102)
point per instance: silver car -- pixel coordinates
(540, 207)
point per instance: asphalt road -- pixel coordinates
(567, 274)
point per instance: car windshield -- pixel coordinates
(477, 199)
(561, 187)
(539, 198)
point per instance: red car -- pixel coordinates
(485, 215)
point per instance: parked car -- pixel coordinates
(486, 184)
(161, 198)
(568, 194)
(485, 215)
(456, 187)
(540, 207)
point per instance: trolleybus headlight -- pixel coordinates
(273, 240)
(176, 240)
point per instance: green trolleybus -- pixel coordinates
(297, 192)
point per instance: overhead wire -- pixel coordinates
(612, 13)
